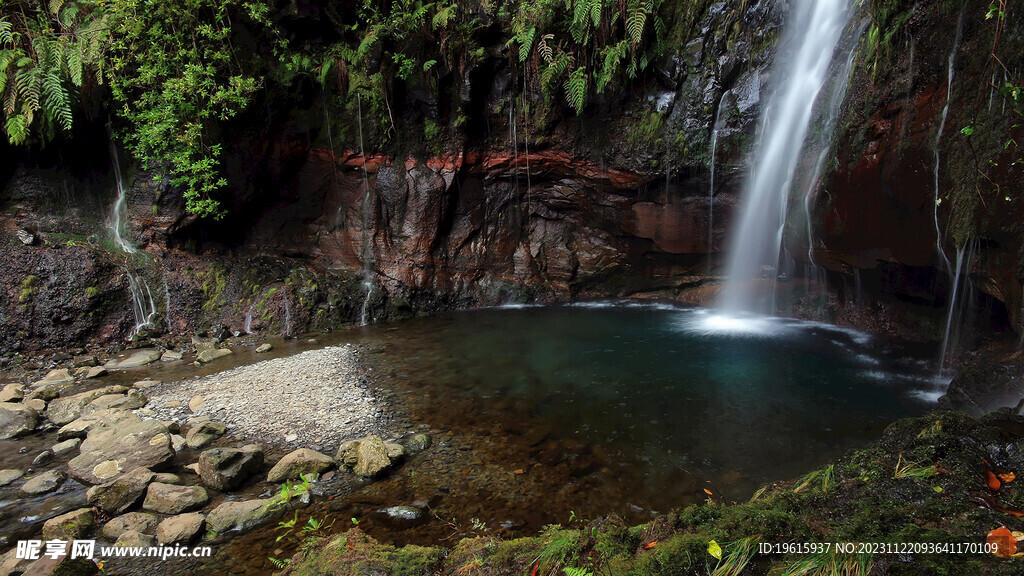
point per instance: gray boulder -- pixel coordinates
(207, 356)
(70, 526)
(301, 461)
(367, 457)
(239, 515)
(226, 468)
(80, 427)
(16, 419)
(135, 359)
(12, 393)
(9, 475)
(134, 399)
(203, 433)
(174, 499)
(110, 451)
(119, 495)
(56, 378)
(131, 522)
(44, 483)
(179, 529)
(66, 409)
(134, 539)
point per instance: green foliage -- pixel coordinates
(177, 75)
(46, 50)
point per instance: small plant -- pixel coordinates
(825, 475)
(92, 292)
(737, 556)
(913, 469)
(290, 490)
(570, 571)
(280, 564)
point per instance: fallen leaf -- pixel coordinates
(1006, 544)
(1018, 536)
(650, 545)
(536, 566)
(1008, 477)
(990, 479)
(708, 492)
(518, 471)
(715, 550)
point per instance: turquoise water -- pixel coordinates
(663, 393)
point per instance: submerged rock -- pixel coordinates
(44, 483)
(265, 347)
(9, 475)
(207, 356)
(134, 539)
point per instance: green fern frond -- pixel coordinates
(17, 129)
(68, 15)
(58, 103)
(73, 57)
(6, 31)
(613, 55)
(526, 43)
(635, 22)
(55, 6)
(29, 84)
(576, 89)
(444, 16)
(595, 12)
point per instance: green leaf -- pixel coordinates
(576, 89)
(967, 130)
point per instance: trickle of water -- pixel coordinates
(364, 315)
(248, 319)
(803, 62)
(711, 196)
(143, 305)
(287, 314)
(366, 250)
(950, 72)
(959, 303)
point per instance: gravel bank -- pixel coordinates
(312, 399)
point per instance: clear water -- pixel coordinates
(665, 392)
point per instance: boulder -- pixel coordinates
(301, 461)
(55, 378)
(196, 403)
(79, 427)
(367, 456)
(202, 344)
(44, 483)
(178, 442)
(119, 495)
(12, 393)
(110, 451)
(395, 451)
(66, 446)
(142, 384)
(135, 359)
(71, 526)
(141, 522)
(95, 372)
(167, 478)
(203, 433)
(44, 393)
(16, 419)
(171, 356)
(207, 356)
(417, 442)
(66, 409)
(37, 404)
(134, 399)
(265, 347)
(9, 475)
(239, 515)
(85, 360)
(226, 468)
(180, 529)
(173, 499)
(134, 539)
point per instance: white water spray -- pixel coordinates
(814, 33)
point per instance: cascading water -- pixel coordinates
(366, 250)
(803, 67)
(950, 73)
(143, 305)
(961, 296)
(711, 186)
(248, 318)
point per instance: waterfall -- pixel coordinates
(248, 318)
(960, 299)
(802, 67)
(287, 314)
(950, 71)
(366, 250)
(711, 195)
(143, 305)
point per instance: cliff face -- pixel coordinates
(523, 206)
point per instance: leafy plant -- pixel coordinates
(913, 469)
(297, 489)
(737, 556)
(828, 564)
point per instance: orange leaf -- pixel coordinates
(1005, 543)
(1008, 477)
(533, 572)
(708, 492)
(990, 478)
(650, 545)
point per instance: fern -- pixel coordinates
(636, 21)
(6, 31)
(55, 6)
(576, 89)
(526, 42)
(444, 16)
(17, 129)
(73, 58)
(613, 55)
(544, 48)
(57, 101)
